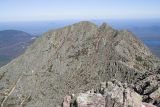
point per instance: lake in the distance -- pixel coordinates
(154, 46)
(153, 42)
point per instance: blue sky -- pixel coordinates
(31, 10)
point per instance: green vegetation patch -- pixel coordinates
(139, 58)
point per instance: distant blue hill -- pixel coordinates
(12, 44)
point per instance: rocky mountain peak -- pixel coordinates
(85, 23)
(105, 26)
(73, 59)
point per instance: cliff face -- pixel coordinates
(72, 59)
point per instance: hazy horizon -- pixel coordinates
(37, 27)
(51, 10)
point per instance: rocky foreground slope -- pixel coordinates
(70, 60)
(110, 94)
(144, 93)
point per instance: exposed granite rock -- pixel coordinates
(148, 85)
(148, 105)
(67, 101)
(123, 95)
(114, 94)
(72, 59)
(90, 100)
(156, 94)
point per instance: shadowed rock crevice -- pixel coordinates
(148, 85)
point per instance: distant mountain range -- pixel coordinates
(12, 44)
